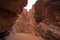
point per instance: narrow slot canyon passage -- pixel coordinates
(30, 20)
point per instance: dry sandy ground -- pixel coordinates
(23, 36)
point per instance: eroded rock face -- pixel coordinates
(48, 12)
(25, 22)
(8, 14)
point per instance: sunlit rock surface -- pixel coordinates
(25, 22)
(23, 36)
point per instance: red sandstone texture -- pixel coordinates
(45, 20)
(8, 14)
(47, 17)
(25, 22)
(42, 22)
(13, 5)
